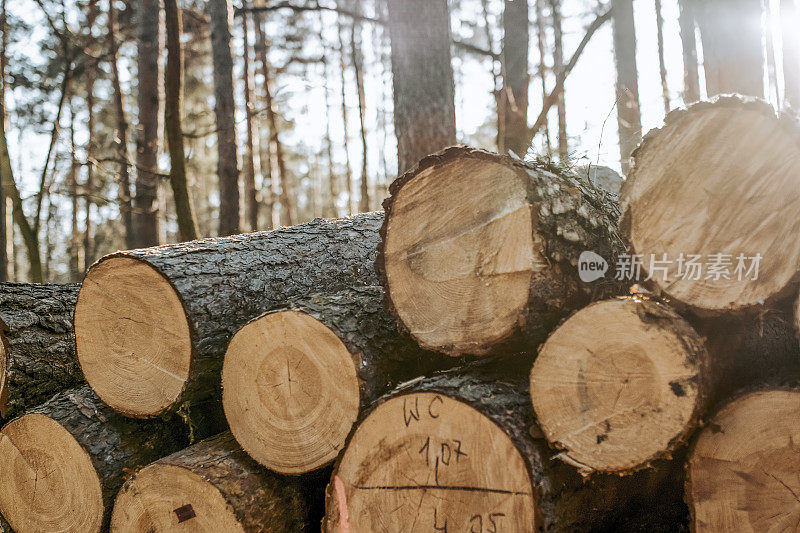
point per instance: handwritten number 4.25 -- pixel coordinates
(476, 523)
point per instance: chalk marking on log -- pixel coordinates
(459, 488)
(341, 500)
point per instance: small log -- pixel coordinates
(480, 252)
(211, 486)
(459, 451)
(64, 461)
(37, 347)
(152, 325)
(620, 384)
(742, 473)
(721, 182)
(295, 380)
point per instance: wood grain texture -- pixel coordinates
(480, 252)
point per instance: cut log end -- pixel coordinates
(718, 178)
(619, 384)
(166, 498)
(744, 471)
(132, 337)
(433, 461)
(459, 254)
(290, 391)
(3, 374)
(48, 481)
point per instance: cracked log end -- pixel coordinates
(459, 254)
(743, 473)
(424, 461)
(290, 391)
(718, 178)
(619, 384)
(132, 337)
(48, 481)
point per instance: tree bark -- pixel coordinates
(173, 109)
(662, 67)
(121, 133)
(250, 498)
(424, 108)
(187, 300)
(341, 348)
(791, 54)
(514, 274)
(628, 115)
(471, 433)
(742, 264)
(148, 128)
(732, 53)
(691, 77)
(220, 14)
(38, 358)
(79, 450)
(514, 97)
(251, 197)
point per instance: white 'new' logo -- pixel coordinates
(591, 266)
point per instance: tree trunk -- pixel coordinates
(424, 108)
(472, 460)
(38, 345)
(732, 54)
(515, 272)
(541, 43)
(743, 261)
(345, 132)
(185, 301)
(514, 97)
(791, 54)
(3, 204)
(76, 451)
(121, 133)
(662, 67)
(220, 14)
(260, 49)
(251, 197)
(89, 186)
(331, 207)
(358, 68)
(691, 77)
(628, 116)
(148, 128)
(173, 109)
(212, 486)
(558, 66)
(342, 350)
(742, 470)
(75, 259)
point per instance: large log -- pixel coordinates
(743, 472)
(37, 347)
(481, 251)
(64, 461)
(624, 382)
(152, 325)
(295, 380)
(211, 486)
(715, 194)
(620, 384)
(459, 452)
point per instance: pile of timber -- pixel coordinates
(509, 346)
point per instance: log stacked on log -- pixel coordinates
(480, 252)
(62, 463)
(210, 486)
(37, 346)
(152, 325)
(295, 380)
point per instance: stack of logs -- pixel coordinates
(507, 348)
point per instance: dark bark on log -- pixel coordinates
(38, 337)
(564, 501)
(115, 444)
(224, 283)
